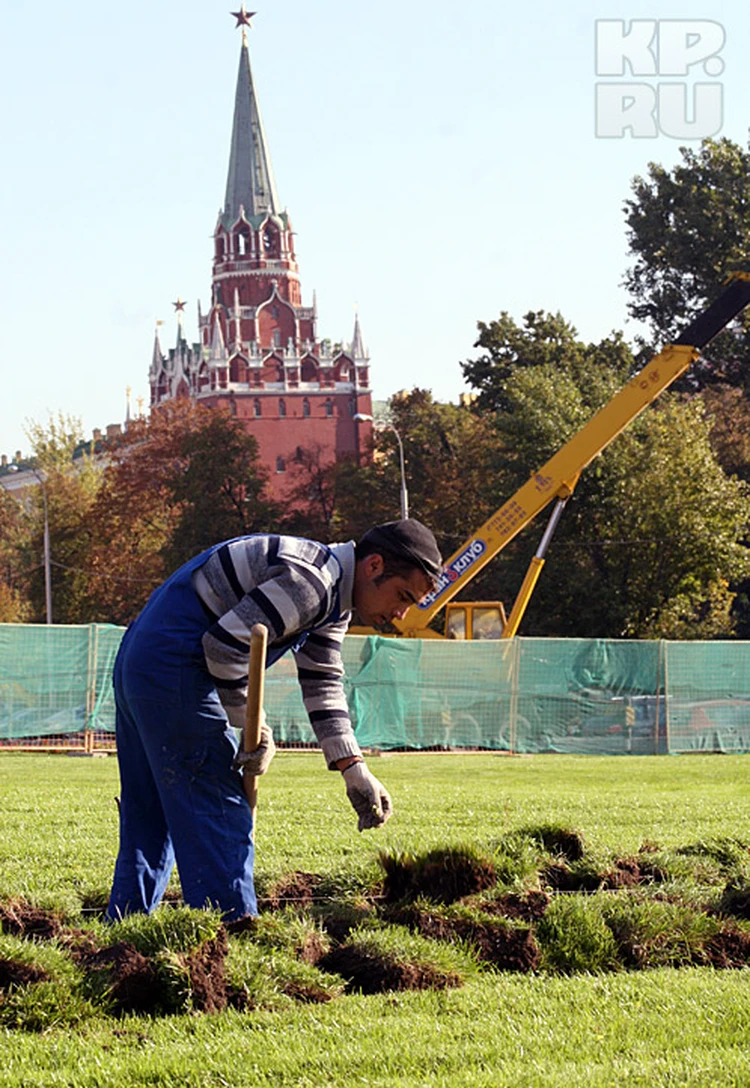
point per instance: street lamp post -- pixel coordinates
(46, 545)
(47, 557)
(383, 425)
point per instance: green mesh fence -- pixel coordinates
(592, 696)
(56, 680)
(708, 701)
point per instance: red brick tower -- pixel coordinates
(259, 350)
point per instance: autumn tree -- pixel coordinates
(183, 479)
(728, 411)
(13, 573)
(220, 491)
(452, 456)
(312, 493)
(62, 492)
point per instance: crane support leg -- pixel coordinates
(532, 574)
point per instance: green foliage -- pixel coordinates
(545, 345)
(688, 228)
(54, 444)
(61, 494)
(574, 937)
(654, 536)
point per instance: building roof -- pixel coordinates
(250, 183)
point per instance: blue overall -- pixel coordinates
(180, 798)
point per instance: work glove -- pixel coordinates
(369, 799)
(257, 763)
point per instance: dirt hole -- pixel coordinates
(21, 919)
(368, 973)
(14, 973)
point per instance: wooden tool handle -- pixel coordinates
(254, 714)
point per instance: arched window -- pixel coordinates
(256, 408)
(329, 407)
(280, 464)
(282, 409)
(305, 407)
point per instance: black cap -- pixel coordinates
(410, 540)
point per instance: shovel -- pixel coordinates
(254, 713)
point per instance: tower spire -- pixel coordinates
(250, 181)
(358, 345)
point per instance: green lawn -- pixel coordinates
(656, 1027)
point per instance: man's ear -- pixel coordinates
(373, 564)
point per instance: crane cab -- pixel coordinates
(475, 619)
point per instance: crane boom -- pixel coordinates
(557, 478)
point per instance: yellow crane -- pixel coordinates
(556, 481)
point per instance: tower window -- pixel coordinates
(329, 407)
(256, 408)
(280, 464)
(305, 407)
(282, 408)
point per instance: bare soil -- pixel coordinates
(507, 947)
(443, 876)
(367, 973)
(529, 907)
(730, 948)
(14, 973)
(294, 889)
(131, 980)
(20, 919)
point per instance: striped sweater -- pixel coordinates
(292, 586)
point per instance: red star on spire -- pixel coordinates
(243, 17)
(179, 305)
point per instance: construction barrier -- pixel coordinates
(595, 696)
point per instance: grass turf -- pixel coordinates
(659, 1028)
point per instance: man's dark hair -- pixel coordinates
(405, 546)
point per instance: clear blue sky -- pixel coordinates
(439, 162)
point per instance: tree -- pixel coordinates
(544, 340)
(688, 228)
(728, 411)
(652, 540)
(186, 478)
(13, 573)
(312, 494)
(64, 491)
(452, 456)
(220, 490)
(654, 527)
